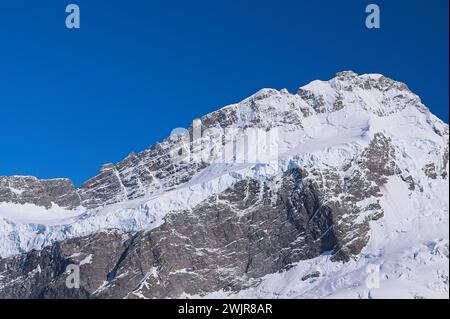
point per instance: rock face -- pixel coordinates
(228, 242)
(23, 190)
(154, 170)
(252, 229)
(222, 226)
(149, 172)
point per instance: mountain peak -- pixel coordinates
(360, 176)
(375, 93)
(348, 73)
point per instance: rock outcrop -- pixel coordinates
(153, 226)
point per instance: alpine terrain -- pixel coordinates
(355, 204)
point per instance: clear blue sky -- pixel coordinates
(71, 100)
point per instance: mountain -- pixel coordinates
(354, 205)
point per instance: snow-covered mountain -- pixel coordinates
(355, 205)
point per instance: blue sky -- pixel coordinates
(71, 100)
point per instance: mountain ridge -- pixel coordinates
(361, 179)
(312, 93)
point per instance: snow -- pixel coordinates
(87, 260)
(32, 214)
(409, 244)
(409, 248)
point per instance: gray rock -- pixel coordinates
(24, 189)
(227, 242)
(230, 240)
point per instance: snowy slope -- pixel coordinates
(326, 124)
(407, 257)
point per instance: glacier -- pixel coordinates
(325, 124)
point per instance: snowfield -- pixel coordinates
(407, 257)
(408, 252)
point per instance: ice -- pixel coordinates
(409, 244)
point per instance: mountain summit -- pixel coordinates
(354, 204)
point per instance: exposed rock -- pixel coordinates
(320, 201)
(228, 242)
(312, 275)
(430, 171)
(24, 189)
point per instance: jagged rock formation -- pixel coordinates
(137, 175)
(27, 189)
(154, 227)
(252, 229)
(153, 170)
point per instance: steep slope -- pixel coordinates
(361, 164)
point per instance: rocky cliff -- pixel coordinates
(362, 167)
